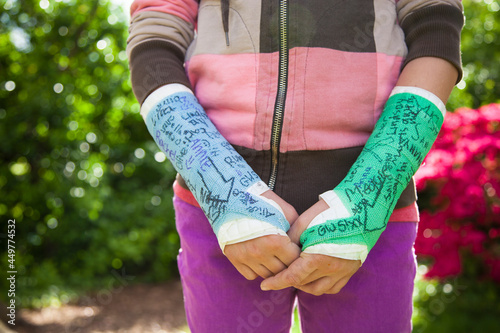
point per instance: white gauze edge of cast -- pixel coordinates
(336, 210)
(244, 229)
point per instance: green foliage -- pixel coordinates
(468, 302)
(78, 171)
(480, 54)
(456, 305)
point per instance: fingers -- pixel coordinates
(254, 270)
(246, 271)
(284, 255)
(338, 286)
(269, 268)
(264, 256)
(262, 271)
(298, 271)
(318, 287)
(267, 255)
(325, 265)
(314, 274)
(288, 253)
(325, 285)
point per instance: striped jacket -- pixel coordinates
(296, 86)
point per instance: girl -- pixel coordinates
(295, 99)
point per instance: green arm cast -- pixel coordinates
(360, 206)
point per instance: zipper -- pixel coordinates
(279, 106)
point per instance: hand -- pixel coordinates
(263, 256)
(267, 255)
(316, 274)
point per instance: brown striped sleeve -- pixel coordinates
(434, 31)
(156, 48)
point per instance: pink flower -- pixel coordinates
(446, 265)
(460, 179)
(494, 265)
(473, 238)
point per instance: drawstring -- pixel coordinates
(224, 7)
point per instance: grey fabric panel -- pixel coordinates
(243, 27)
(339, 24)
(389, 37)
(151, 25)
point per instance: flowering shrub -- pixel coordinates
(459, 187)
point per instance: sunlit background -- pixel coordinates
(91, 193)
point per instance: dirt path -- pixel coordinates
(132, 309)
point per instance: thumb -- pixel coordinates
(297, 272)
(305, 219)
(289, 211)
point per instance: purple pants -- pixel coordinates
(378, 298)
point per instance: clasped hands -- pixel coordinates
(279, 260)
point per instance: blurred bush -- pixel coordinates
(480, 53)
(459, 188)
(458, 243)
(87, 187)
